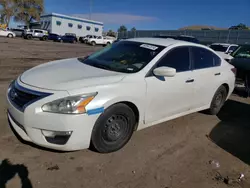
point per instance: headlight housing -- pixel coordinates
(69, 105)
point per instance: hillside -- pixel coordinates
(200, 27)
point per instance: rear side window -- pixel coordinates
(177, 58)
(203, 58)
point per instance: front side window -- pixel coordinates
(177, 58)
(203, 58)
(70, 24)
(125, 56)
(99, 38)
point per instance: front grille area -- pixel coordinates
(21, 97)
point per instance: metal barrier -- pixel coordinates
(205, 36)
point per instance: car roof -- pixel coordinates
(224, 44)
(162, 41)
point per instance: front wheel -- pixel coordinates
(218, 101)
(10, 36)
(93, 43)
(113, 129)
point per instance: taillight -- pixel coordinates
(234, 70)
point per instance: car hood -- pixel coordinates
(68, 74)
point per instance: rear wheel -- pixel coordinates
(218, 101)
(113, 129)
(44, 38)
(29, 37)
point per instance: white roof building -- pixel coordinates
(61, 24)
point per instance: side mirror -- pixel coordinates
(164, 71)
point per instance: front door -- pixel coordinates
(170, 96)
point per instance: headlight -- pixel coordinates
(69, 105)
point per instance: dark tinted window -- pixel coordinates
(58, 23)
(232, 48)
(79, 26)
(96, 29)
(177, 58)
(37, 31)
(88, 28)
(219, 48)
(70, 24)
(203, 58)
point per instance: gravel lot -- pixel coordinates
(174, 154)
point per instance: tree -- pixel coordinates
(122, 28)
(111, 33)
(240, 26)
(29, 10)
(133, 29)
(8, 8)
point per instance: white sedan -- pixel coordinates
(100, 100)
(7, 33)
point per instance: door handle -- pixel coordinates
(217, 74)
(190, 80)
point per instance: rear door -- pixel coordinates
(207, 72)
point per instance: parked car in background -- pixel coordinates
(36, 33)
(241, 60)
(69, 38)
(224, 49)
(18, 32)
(101, 99)
(85, 39)
(7, 33)
(55, 37)
(180, 37)
(100, 41)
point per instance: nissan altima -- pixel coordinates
(101, 99)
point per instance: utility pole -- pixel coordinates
(90, 9)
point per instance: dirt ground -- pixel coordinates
(175, 154)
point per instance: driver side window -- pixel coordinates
(177, 58)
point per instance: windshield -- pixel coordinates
(219, 48)
(242, 52)
(124, 56)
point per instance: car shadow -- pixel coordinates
(232, 133)
(8, 171)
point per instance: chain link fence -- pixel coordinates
(208, 36)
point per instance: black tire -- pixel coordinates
(10, 36)
(29, 37)
(108, 43)
(44, 38)
(218, 101)
(113, 129)
(93, 43)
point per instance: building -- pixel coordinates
(61, 24)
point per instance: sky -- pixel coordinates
(156, 14)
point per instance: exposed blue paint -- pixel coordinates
(72, 19)
(95, 111)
